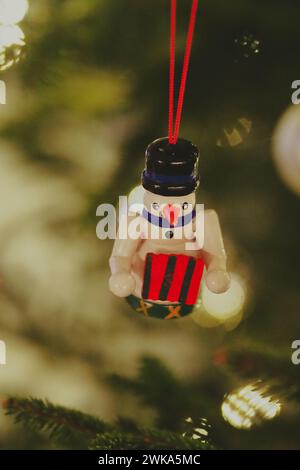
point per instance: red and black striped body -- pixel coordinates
(172, 277)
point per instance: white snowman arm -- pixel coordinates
(122, 254)
(214, 255)
(121, 282)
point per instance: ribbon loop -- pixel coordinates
(174, 131)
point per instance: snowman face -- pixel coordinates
(169, 208)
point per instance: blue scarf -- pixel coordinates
(162, 222)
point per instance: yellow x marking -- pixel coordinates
(174, 312)
(144, 307)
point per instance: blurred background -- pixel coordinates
(86, 91)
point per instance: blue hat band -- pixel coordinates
(167, 179)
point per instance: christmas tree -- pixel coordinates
(86, 91)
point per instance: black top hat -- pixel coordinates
(171, 169)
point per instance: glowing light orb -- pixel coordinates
(198, 429)
(247, 46)
(249, 406)
(12, 44)
(12, 11)
(236, 134)
(227, 305)
(286, 148)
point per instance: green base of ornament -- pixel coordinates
(160, 311)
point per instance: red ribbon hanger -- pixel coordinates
(174, 127)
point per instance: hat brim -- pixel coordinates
(167, 187)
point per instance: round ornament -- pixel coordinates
(250, 405)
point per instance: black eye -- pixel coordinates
(155, 206)
(185, 205)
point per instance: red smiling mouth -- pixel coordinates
(171, 213)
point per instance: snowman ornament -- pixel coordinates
(160, 271)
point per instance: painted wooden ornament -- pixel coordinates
(159, 273)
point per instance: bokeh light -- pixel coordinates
(246, 46)
(250, 405)
(225, 309)
(227, 305)
(12, 45)
(236, 134)
(286, 148)
(12, 11)
(197, 429)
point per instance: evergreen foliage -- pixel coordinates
(68, 427)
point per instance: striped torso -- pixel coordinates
(172, 277)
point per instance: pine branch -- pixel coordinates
(62, 425)
(146, 439)
(85, 431)
(158, 388)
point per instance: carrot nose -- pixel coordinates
(171, 213)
